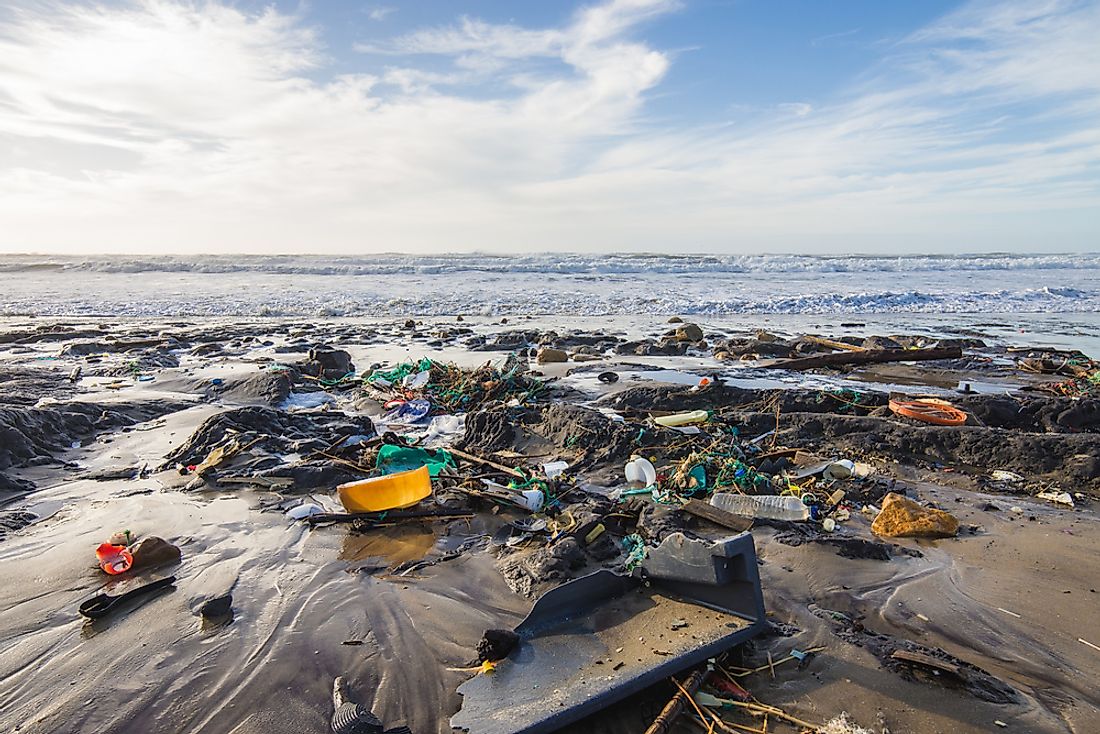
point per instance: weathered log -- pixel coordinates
(866, 356)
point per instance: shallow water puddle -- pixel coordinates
(392, 546)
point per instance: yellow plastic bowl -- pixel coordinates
(390, 492)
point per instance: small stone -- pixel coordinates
(689, 333)
(218, 607)
(903, 518)
(152, 552)
(547, 355)
(324, 361)
(675, 320)
(496, 645)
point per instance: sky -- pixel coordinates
(435, 126)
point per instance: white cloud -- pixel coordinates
(380, 12)
(797, 109)
(165, 125)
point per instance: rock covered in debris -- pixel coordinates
(903, 518)
(153, 552)
(274, 431)
(754, 347)
(34, 434)
(140, 360)
(668, 346)
(881, 342)
(523, 572)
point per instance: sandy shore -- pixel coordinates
(1012, 595)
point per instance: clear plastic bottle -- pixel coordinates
(765, 506)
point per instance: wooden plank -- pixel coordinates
(717, 515)
(866, 356)
(927, 661)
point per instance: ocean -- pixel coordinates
(547, 284)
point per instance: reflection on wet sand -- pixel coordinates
(391, 546)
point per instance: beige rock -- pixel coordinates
(689, 333)
(904, 518)
(675, 320)
(722, 356)
(547, 355)
(581, 357)
(151, 552)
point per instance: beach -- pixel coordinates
(398, 609)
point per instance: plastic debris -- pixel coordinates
(101, 605)
(389, 492)
(303, 511)
(682, 419)
(842, 469)
(1058, 498)
(392, 459)
(554, 469)
(767, 506)
(641, 470)
(114, 559)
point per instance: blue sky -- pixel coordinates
(655, 125)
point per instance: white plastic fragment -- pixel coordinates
(554, 469)
(640, 469)
(1058, 498)
(303, 511)
(417, 380)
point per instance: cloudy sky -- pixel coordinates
(450, 125)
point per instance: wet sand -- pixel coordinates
(1012, 597)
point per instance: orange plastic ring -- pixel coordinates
(937, 412)
(114, 559)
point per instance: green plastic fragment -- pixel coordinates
(392, 459)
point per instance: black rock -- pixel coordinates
(496, 645)
(220, 606)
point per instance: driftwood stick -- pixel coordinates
(675, 706)
(391, 517)
(486, 462)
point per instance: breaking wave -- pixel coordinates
(560, 264)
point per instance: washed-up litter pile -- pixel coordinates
(1083, 373)
(1087, 384)
(559, 493)
(438, 387)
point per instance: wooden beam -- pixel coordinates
(717, 515)
(866, 356)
